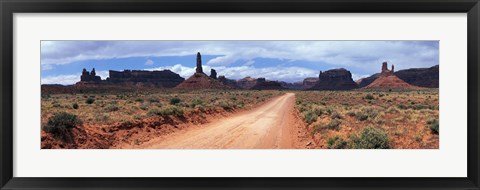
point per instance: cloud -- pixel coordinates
(61, 79)
(287, 74)
(149, 62)
(70, 78)
(355, 77)
(365, 56)
(250, 62)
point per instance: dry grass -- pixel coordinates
(410, 118)
(123, 107)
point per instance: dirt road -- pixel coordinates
(269, 126)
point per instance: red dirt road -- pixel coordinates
(272, 125)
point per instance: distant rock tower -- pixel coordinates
(89, 76)
(199, 63)
(385, 71)
(213, 74)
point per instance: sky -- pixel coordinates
(290, 61)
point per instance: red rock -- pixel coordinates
(388, 80)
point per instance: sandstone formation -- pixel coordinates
(90, 77)
(423, 77)
(385, 72)
(199, 68)
(309, 82)
(388, 80)
(213, 74)
(335, 79)
(247, 82)
(229, 82)
(263, 84)
(293, 86)
(165, 78)
(200, 80)
(161, 79)
(367, 80)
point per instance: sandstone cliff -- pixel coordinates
(335, 79)
(423, 77)
(263, 84)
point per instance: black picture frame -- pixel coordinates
(9, 7)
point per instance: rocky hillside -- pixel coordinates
(388, 80)
(422, 77)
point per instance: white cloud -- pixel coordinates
(363, 55)
(61, 79)
(355, 77)
(69, 79)
(250, 62)
(287, 74)
(149, 62)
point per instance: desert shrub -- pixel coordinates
(431, 121)
(366, 113)
(241, 105)
(175, 100)
(310, 117)
(330, 110)
(351, 113)
(369, 97)
(102, 117)
(319, 110)
(154, 111)
(333, 124)
(144, 106)
(302, 107)
(167, 111)
(361, 116)
(56, 105)
(152, 100)
(435, 127)
(196, 102)
(403, 107)
(61, 123)
(336, 143)
(225, 105)
(111, 108)
(392, 110)
(370, 138)
(336, 115)
(75, 106)
(90, 100)
(139, 100)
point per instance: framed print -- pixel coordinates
(255, 95)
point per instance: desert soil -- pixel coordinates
(271, 125)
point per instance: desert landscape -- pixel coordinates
(160, 109)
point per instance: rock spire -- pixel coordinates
(199, 63)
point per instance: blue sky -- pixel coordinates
(290, 61)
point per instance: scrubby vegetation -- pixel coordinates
(61, 123)
(370, 138)
(90, 100)
(130, 106)
(435, 127)
(371, 119)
